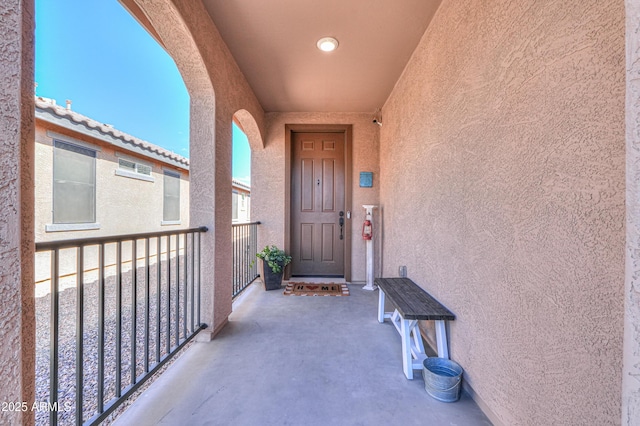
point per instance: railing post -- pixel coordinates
(54, 335)
(134, 310)
(119, 319)
(101, 296)
(79, 334)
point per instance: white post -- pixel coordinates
(369, 243)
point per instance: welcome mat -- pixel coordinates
(308, 289)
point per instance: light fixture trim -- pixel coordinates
(327, 44)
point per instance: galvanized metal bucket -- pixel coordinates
(442, 379)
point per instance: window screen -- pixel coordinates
(234, 205)
(74, 184)
(134, 167)
(171, 210)
(143, 170)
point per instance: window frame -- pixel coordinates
(174, 175)
(123, 172)
(57, 225)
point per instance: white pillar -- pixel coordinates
(369, 243)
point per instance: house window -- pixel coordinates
(234, 205)
(74, 183)
(171, 210)
(134, 167)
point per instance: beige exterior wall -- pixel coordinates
(269, 168)
(124, 205)
(506, 135)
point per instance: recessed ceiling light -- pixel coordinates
(327, 44)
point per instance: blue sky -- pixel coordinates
(96, 55)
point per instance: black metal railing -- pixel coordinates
(245, 247)
(130, 303)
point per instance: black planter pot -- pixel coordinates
(272, 280)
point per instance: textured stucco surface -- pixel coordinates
(17, 362)
(218, 90)
(505, 135)
(268, 170)
(631, 371)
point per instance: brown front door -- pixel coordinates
(317, 204)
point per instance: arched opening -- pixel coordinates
(241, 176)
(244, 235)
(245, 138)
(96, 180)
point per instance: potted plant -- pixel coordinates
(274, 260)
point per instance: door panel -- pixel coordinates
(328, 240)
(317, 198)
(328, 187)
(306, 186)
(306, 241)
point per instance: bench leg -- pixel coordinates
(441, 339)
(380, 306)
(407, 360)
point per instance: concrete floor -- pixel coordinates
(291, 360)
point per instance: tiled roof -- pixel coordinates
(46, 109)
(240, 184)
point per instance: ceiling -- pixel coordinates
(274, 43)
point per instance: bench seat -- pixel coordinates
(412, 303)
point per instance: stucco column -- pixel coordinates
(17, 136)
(210, 199)
(223, 261)
(631, 349)
(175, 23)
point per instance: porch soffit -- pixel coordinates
(274, 43)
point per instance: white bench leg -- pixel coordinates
(441, 339)
(381, 306)
(407, 361)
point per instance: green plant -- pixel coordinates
(274, 257)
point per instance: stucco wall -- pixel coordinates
(631, 371)
(502, 168)
(17, 334)
(268, 177)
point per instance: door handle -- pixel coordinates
(341, 223)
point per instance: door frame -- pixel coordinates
(347, 129)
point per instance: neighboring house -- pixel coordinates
(92, 180)
(240, 202)
(90, 176)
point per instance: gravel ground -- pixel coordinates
(67, 340)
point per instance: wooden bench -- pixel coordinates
(411, 304)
